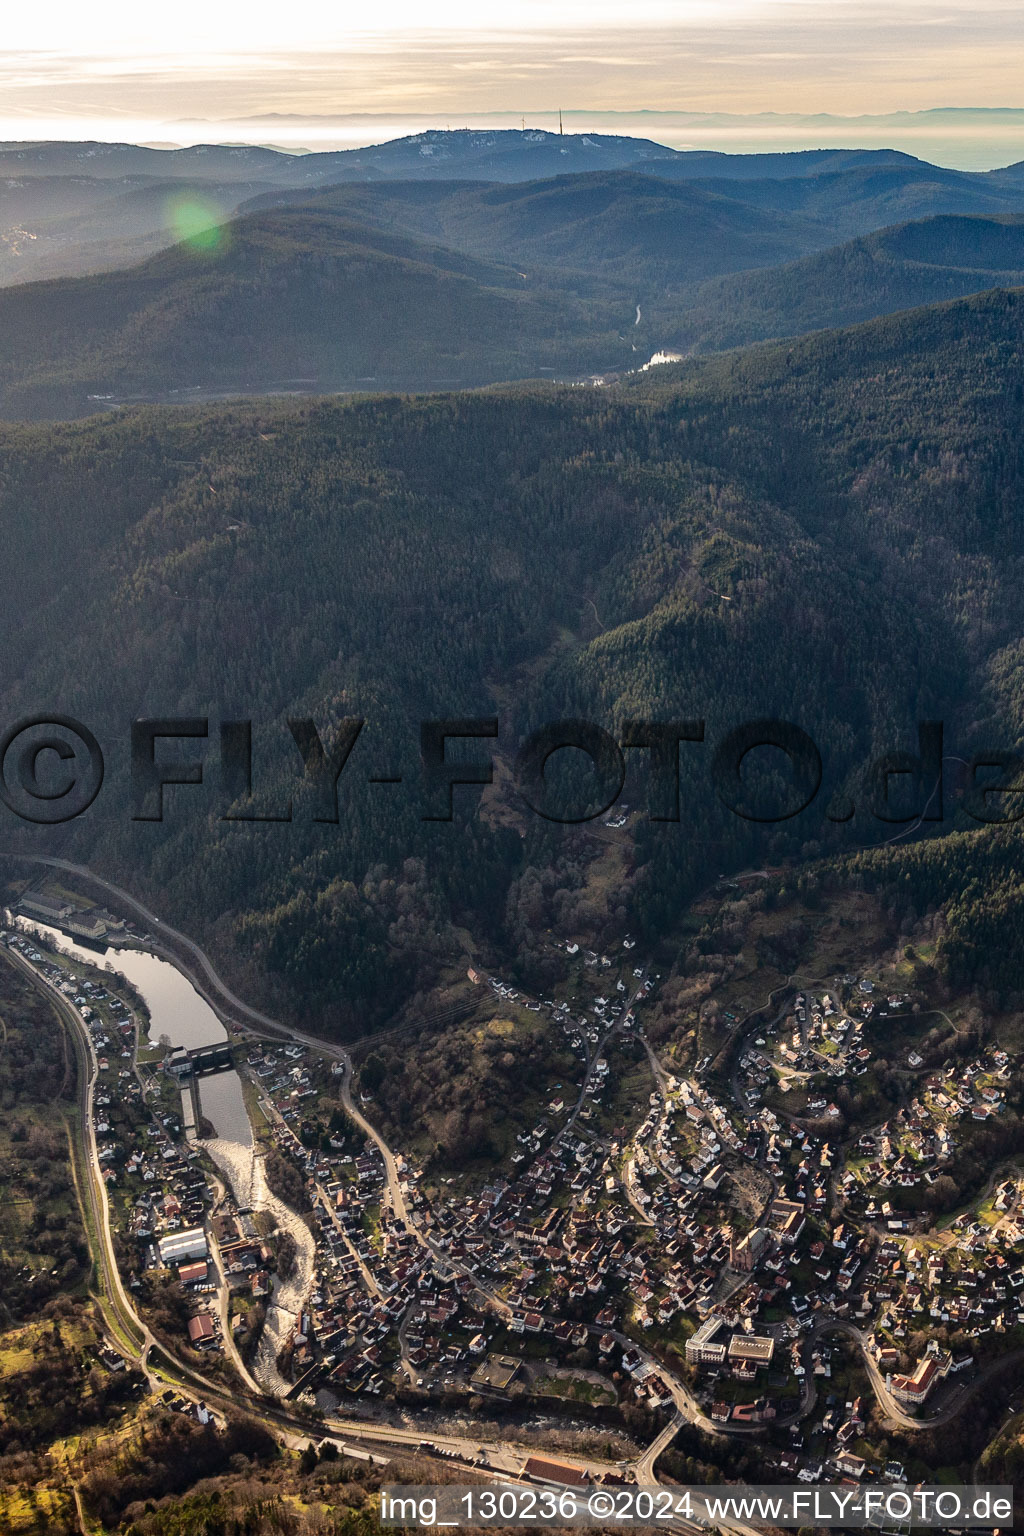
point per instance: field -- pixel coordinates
(574, 1389)
(38, 1512)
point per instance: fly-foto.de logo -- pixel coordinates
(52, 770)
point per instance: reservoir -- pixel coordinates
(221, 1101)
(178, 1016)
(177, 1012)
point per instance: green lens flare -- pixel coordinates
(198, 224)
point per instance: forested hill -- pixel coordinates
(67, 226)
(780, 165)
(427, 284)
(71, 209)
(863, 197)
(900, 268)
(828, 530)
(282, 300)
(582, 201)
(652, 233)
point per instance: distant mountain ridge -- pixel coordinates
(67, 226)
(866, 197)
(68, 209)
(435, 261)
(781, 165)
(497, 155)
(333, 292)
(456, 154)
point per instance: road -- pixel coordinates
(629, 1178)
(129, 1333)
(160, 930)
(394, 1182)
(643, 1467)
(403, 1345)
(593, 1057)
(217, 993)
(631, 1191)
(135, 1340)
(888, 1404)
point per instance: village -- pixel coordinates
(723, 1257)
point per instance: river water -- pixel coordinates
(178, 1014)
(222, 1103)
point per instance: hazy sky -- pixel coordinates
(149, 65)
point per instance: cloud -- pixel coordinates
(853, 56)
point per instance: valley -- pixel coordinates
(700, 1263)
(456, 261)
(346, 1144)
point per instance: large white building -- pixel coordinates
(178, 1247)
(705, 1347)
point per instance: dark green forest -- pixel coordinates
(826, 531)
(651, 234)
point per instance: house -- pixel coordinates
(788, 1220)
(50, 911)
(761, 1412)
(200, 1331)
(178, 1062)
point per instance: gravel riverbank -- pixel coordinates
(244, 1170)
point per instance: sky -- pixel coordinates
(121, 69)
